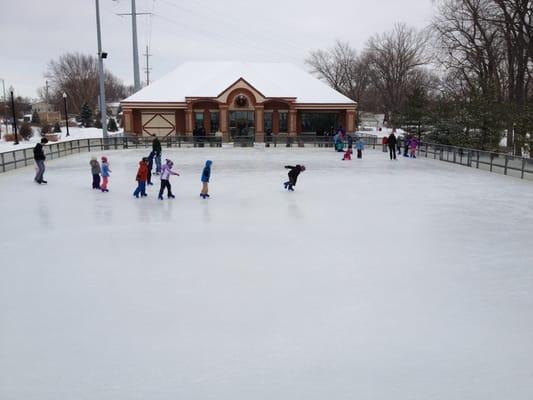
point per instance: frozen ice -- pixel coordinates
(374, 280)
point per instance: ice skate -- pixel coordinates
(171, 196)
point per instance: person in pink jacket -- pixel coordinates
(413, 143)
(166, 171)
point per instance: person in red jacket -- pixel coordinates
(348, 154)
(142, 177)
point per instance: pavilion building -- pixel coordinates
(237, 99)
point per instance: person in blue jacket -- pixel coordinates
(206, 174)
(360, 146)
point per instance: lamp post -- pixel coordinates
(66, 112)
(11, 90)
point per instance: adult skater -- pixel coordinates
(293, 176)
(156, 148)
(39, 157)
(142, 177)
(206, 174)
(392, 141)
(166, 171)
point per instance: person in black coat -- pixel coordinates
(39, 157)
(392, 141)
(156, 148)
(293, 176)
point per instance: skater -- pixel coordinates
(384, 142)
(150, 167)
(348, 154)
(360, 146)
(166, 171)
(156, 148)
(95, 171)
(206, 174)
(293, 176)
(142, 177)
(392, 145)
(413, 143)
(105, 174)
(406, 142)
(39, 157)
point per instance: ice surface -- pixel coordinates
(374, 280)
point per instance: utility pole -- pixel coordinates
(147, 69)
(101, 57)
(136, 73)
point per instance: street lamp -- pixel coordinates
(66, 112)
(11, 90)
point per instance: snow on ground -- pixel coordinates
(374, 280)
(74, 132)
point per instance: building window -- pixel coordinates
(318, 122)
(283, 122)
(241, 123)
(214, 121)
(268, 123)
(199, 120)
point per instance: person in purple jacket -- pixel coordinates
(413, 143)
(166, 171)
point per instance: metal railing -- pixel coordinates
(491, 161)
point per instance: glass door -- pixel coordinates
(241, 124)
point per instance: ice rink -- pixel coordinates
(374, 280)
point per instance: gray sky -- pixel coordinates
(36, 31)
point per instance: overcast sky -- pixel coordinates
(36, 31)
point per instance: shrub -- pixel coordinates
(25, 131)
(98, 124)
(45, 129)
(57, 128)
(112, 125)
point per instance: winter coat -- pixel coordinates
(38, 152)
(142, 173)
(294, 172)
(392, 140)
(105, 169)
(95, 167)
(359, 145)
(151, 160)
(348, 155)
(156, 145)
(206, 173)
(166, 171)
(413, 143)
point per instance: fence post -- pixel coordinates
(523, 168)
(506, 163)
(491, 161)
(25, 158)
(477, 162)
(3, 163)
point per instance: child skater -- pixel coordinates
(95, 170)
(150, 166)
(105, 175)
(166, 171)
(293, 176)
(206, 174)
(413, 143)
(348, 153)
(142, 177)
(360, 146)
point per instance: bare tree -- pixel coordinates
(393, 60)
(77, 75)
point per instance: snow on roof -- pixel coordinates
(209, 79)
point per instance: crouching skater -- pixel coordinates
(293, 176)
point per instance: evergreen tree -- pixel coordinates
(112, 125)
(86, 115)
(57, 128)
(35, 119)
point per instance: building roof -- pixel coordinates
(210, 79)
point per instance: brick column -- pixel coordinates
(224, 122)
(259, 123)
(128, 121)
(292, 122)
(350, 120)
(188, 121)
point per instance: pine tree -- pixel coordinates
(35, 119)
(112, 125)
(86, 115)
(57, 128)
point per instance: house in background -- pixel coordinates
(236, 99)
(47, 112)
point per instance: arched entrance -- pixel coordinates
(241, 124)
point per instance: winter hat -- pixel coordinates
(145, 159)
(104, 159)
(208, 163)
(169, 162)
(302, 167)
(44, 140)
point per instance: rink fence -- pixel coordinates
(491, 161)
